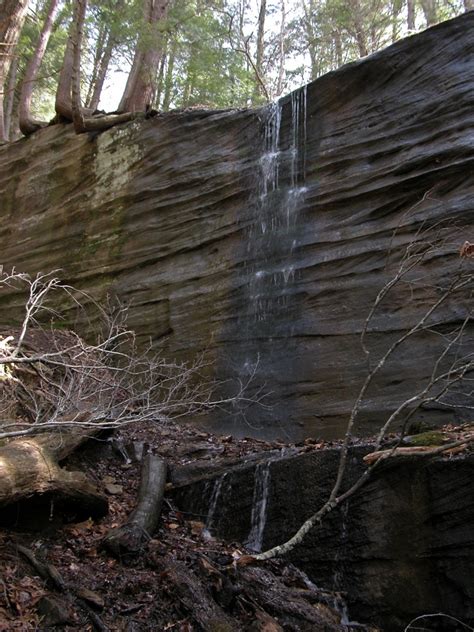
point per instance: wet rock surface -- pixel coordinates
(400, 548)
(262, 237)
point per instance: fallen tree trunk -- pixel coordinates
(130, 537)
(35, 437)
(29, 468)
(186, 587)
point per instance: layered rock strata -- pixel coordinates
(262, 237)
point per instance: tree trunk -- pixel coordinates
(103, 37)
(140, 87)
(12, 16)
(429, 11)
(169, 77)
(130, 538)
(160, 78)
(30, 470)
(281, 46)
(77, 113)
(103, 67)
(11, 86)
(63, 105)
(337, 47)
(102, 61)
(396, 8)
(309, 12)
(468, 5)
(262, 14)
(27, 126)
(410, 15)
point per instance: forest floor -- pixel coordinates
(182, 580)
(181, 567)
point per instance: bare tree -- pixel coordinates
(12, 16)
(241, 43)
(451, 369)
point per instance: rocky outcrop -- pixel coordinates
(262, 237)
(400, 548)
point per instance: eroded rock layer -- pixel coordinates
(262, 237)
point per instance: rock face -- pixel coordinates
(262, 237)
(400, 548)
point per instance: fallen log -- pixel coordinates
(129, 538)
(32, 481)
(185, 586)
(222, 597)
(29, 468)
(451, 449)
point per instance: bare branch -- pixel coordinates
(440, 382)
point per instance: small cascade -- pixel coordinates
(298, 140)
(259, 506)
(213, 501)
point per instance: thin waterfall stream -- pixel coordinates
(269, 273)
(213, 503)
(259, 506)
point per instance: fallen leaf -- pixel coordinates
(246, 560)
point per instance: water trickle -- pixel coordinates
(213, 501)
(288, 273)
(338, 575)
(298, 142)
(338, 558)
(259, 506)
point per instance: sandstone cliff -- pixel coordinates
(263, 236)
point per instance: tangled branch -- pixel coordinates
(52, 379)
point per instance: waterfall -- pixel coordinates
(259, 506)
(269, 275)
(271, 237)
(213, 501)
